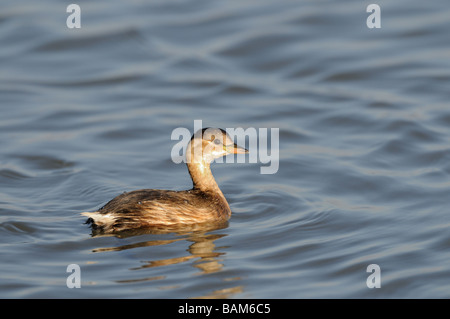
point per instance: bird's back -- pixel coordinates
(152, 208)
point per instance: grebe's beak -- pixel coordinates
(235, 149)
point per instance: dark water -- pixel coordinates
(364, 158)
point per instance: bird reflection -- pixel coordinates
(202, 252)
(222, 293)
(202, 249)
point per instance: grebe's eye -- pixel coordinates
(217, 141)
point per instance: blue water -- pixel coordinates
(364, 146)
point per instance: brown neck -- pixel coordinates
(202, 178)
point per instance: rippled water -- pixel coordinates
(364, 120)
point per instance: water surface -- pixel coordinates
(364, 123)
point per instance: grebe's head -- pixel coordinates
(210, 143)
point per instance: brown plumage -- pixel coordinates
(166, 208)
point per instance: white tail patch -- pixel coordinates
(100, 219)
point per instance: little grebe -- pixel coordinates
(164, 208)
